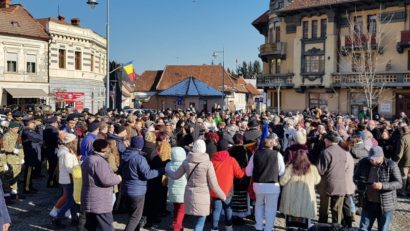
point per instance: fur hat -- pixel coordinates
(199, 146)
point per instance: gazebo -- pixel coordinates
(190, 91)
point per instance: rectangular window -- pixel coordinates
(356, 62)
(92, 63)
(78, 60)
(277, 34)
(271, 35)
(372, 24)
(11, 62)
(31, 64)
(275, 66)
(314, 28)
(358, 24)
(305, 28)
(323, 28)
(363, 62)
(314, 64)
(61, 58)
(31, 67)
(318, 100)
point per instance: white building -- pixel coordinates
(77, 66)
(23, 57)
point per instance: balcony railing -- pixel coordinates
(277, 50)
(404, 41)
(385, 79)
(358, 41)
(274, 80)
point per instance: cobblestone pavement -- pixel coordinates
(32, 214)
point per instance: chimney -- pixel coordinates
(61, 18)
(5, 3)
(75, 21)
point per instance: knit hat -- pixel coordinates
(149, 123)
(119, 128)
(14, 124)
(223, 145)
(66, 137)
(199, 146)
(92, 127)
(375, 153)
(300, 138)
(253, 123)
(137, 142)
(332, 136)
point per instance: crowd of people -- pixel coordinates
(243, 166)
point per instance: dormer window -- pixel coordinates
(15, 24)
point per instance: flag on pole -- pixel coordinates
(129, 69)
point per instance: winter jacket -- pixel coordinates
(197, 199)
(403, 156)
(4, 213)
(226, 169)
(32, 142)
(86, 147)
(98, 183)
(332, 168)
(291, 152)
(298, 193)
(176, 188)
(242, 157)
(350, 186)
(390, 177)
(119, 141)
(135, 172)
(66, 162)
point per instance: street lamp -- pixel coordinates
(214, 55)
(93, 4)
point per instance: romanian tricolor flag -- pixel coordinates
(129, 69)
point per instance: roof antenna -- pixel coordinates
(58, 10)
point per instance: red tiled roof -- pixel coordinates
(210, 74)
(147, 81)
(241, 85)
(17, 21)
(264, 18)
(303, 4)
(252, 89)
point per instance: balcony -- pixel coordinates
(274, 80)
(360, 41)
(275, 50)
(404, 41)
(382, 79)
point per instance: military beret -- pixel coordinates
(14, 124)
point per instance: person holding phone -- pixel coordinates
(381, 178)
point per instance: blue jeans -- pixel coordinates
(218, 205)
(69, 204)
(371, 212)
(199, 222)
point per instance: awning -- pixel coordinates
(26, 93)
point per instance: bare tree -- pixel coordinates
(364, 48)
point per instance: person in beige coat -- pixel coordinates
(298, 193)
(201, 177)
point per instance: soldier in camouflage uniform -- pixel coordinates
(14, 155)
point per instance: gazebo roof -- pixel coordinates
(191, 87)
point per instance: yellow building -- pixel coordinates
(330, 54)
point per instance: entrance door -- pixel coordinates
(402, 104)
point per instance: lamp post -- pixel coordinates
(215, 54)
(93, 4)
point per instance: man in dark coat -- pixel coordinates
(379, 178)
(50, 137)
(253, 134)
(32, 138)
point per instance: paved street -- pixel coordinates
(32, 213)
